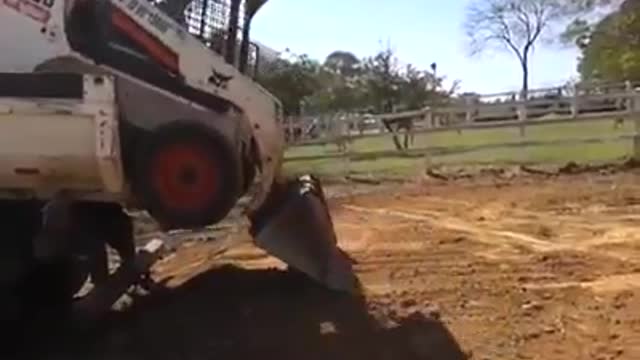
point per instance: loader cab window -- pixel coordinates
(224, 27)
(106, 34)
(246, 60)
(88, 28)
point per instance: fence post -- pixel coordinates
(522, 111)
(344, 134)
(628, 99)
(290, 126)
(429, 118)
(575, 101)
(634, 107)
(636, 140)
(469, 109)
(428, 161)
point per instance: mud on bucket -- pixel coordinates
(295, 226)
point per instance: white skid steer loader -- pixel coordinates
(111, 104)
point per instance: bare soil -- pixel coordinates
(490, 266)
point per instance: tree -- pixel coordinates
(343, 62)
(345, 83)
(382, 79)
(420, 87)
(341, 84)
(581, 7)
(514, 25)
(292, 81)
(611, 49)
(417, 86)
(584, 15)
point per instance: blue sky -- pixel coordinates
(421, 32)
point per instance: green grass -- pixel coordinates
(332, 167)
(551, 153)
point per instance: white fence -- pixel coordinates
(611, 102)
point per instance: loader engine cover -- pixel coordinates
(187, 175)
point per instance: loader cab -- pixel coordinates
(103, 32)
(247, 62)
(224, 26)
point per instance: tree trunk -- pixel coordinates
(522, 109)
(525, 77)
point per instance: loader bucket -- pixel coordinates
(295, 226)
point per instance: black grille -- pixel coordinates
(42, 85)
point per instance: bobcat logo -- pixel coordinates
(219, 80)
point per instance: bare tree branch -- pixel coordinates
(514, 25)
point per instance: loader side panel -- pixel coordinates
(64, 154)
(108, 35)
(39, 26)
(50, 140)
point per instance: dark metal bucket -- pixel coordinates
(295, 226)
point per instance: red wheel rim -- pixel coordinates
(184, 176)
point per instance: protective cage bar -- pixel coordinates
(212, 22)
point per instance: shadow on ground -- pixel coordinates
(231, 313)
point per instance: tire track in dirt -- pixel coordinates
(491, 237)
(612, 283)
(505, 239)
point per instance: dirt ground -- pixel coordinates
(493, 266)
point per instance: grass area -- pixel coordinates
(551, 153)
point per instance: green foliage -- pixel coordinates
(581, 16)
(345, 83)
(383, 80)
(343, 63)
(421, 86)
(341, 85)
(611, 51)
(577, 32)
(291, 81)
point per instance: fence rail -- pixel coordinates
(586, 103)
(616, 102)
(459, 149)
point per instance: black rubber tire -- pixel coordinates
(216, 153)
